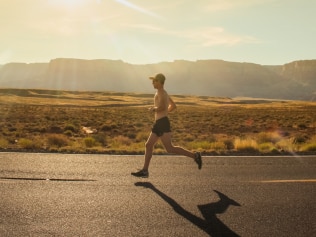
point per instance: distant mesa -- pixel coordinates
(294, 81)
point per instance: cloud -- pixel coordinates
(212, 36)
(223, 5)
(200, 37)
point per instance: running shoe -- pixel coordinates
(198, 159)
(141, 174)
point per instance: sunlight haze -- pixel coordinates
(269, 32)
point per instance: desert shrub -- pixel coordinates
(131, 135)
(89, 142)
(286, 145)
(309, 147)
(302, 126)
(266, 137)
(123, 140)
(218, 146)
(197, 145)
(108, 127)
(137, 147)
(313, 138)
(12, 129)
(229, 143)
(266, 147)
(3, 143)
(212, 138)
(188, 137)
(141, 136)
(299, 139)
(69, 133)
(57, 140)
(55, 129)
(120, 141)
(70, 127)
(29, 144)
(160, 151)
(100, 138)
(247, 144)
(138, 124)
(159, 145)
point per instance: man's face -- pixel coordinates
(156, 84)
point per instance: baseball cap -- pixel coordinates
(159, 77)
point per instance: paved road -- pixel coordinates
(95, 195)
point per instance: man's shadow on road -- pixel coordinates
(210, 224)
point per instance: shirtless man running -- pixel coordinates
(161, 129)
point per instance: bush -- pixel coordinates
(57, 140)
(70, 127)
(69, 133)
(309, 147)
(286, 145)
(100, 138)
(131, 135)
(12, 129)
(142, 136)
(299, 139)
(188, 138)
(197, 145)
(229, 144)
(108, 127)
(266, 147)
(266, 137)
(89, 142)
(302, 126)
(55, 129)
(29, 144)
(218, 146)
(3, 143)
(245, 145)
(121, 141)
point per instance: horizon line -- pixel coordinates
(175, 60)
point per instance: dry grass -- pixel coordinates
(246, 145)
(52, 121)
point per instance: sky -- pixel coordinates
(267, 32)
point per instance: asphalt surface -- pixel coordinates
(95, 195)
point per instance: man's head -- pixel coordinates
(159, 78)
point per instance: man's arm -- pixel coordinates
(172, 106)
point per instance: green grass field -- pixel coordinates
(54, 121)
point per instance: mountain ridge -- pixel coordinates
(295, 80)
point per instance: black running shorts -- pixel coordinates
(161, 126)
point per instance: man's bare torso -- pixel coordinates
(161, 101)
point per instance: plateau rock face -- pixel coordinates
(295, 80)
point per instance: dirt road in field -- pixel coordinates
(95, 195)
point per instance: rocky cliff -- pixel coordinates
(295, 80)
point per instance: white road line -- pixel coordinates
(287, 181)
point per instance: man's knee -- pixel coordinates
(169, 149)
(149, 145)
